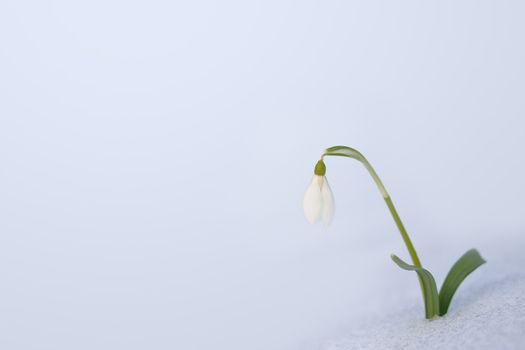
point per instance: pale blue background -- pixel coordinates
(154, 154)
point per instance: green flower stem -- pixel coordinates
(343, 151)
(403, 231)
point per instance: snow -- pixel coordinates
(488, 312)
(491, 316)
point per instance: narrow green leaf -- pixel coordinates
(430, 294)
(470, 261)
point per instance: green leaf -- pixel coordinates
(470, 261)
(428, 284)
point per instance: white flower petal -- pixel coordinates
(313, 202)
(328, 207)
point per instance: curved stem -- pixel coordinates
(343, 151)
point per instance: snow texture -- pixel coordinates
(490, 316)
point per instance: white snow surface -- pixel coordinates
(487, 312)
(491, 317)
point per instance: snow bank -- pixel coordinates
(491, 316)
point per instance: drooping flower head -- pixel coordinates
(318, 203)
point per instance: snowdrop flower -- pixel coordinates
(319, 205)
(318, 200)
